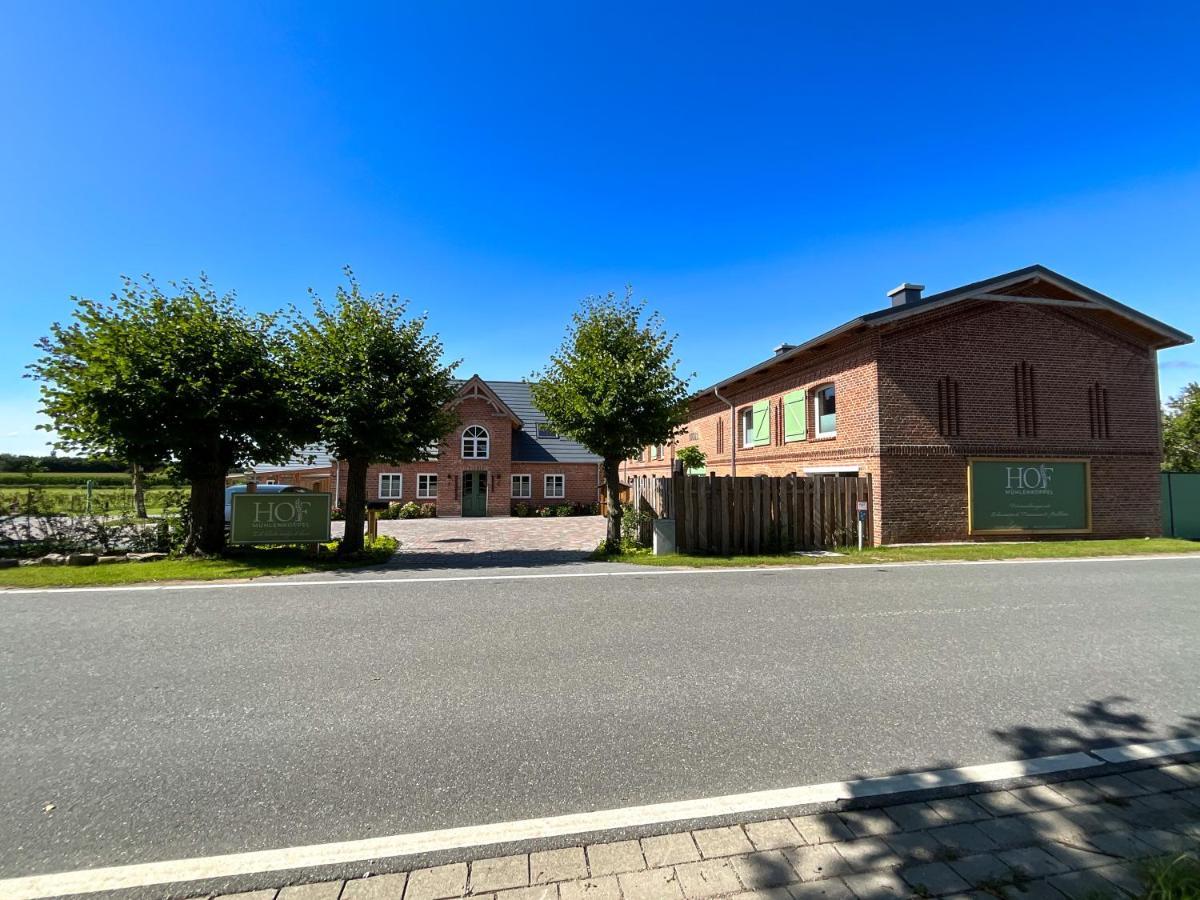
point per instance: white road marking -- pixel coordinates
(1134, 752)
(644, 572)
(87, 881)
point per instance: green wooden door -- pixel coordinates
(474, 495)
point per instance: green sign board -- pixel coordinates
(284, 518)
(1029, 495)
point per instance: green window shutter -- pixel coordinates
(795, 422)
(762, 423)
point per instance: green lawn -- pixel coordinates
(1024, 550)
(248, 564)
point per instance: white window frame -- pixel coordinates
(546, 487)
(820, 389)
(390, 476)
(528, 480)
(475, 439)
(746, 425)
(426, 495)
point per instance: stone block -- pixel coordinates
(112, 560)
(611, 859)
(557, 865)
(606, 888)
(773, 835)
(669, 849)
(655, 884)
(726, 841)
(766, 869)
(82, 559)
(499, 872)
(707, 878)
(146, 557)
(821, 828)
(376, 887)
(934, 878)
(437, 883)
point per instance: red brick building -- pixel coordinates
(501, 453)
(1026, 367)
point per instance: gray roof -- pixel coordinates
(1170, 337)
(312, 456)
(527, 446)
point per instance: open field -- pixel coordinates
(105, 500)
(73, 479)
(1021, 550)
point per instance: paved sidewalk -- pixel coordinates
(491, 541)
(1079, 840)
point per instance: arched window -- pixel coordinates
(475, 442)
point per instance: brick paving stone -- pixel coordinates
(820, 861)
(533, 892)
(775, 893)
(268, 894)
(1011, 831)
(1155, 780)
(766, 869)
(870, 885)
(1120, 844)
(556, 865)
(707, 878)
(1191, 795)
(1117, 786)
(822, 828)
(1002, 803)
(1079, 791)
(726, 841)
(936, 878)
(1125, 877)
(1084, 885)
(1051, 824)
(605, 888)
(377, 887)
(1039, 889)
(668, 849)
(1165, 841)
(1039, 796)
(499, 872)
(655, 884)
(1188, 774)
(915, 846)
(773, 835)
(914, 816)
(1076, 857)
(966, 839)
(437, 883)
(867, 822)
(323, 890)
(956, 810)
(869, 853)
(981, 867)
(1093, 817)
(829, 889)
(619, 856)
(1033, 861)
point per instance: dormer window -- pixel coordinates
(545, 431)
(475, 442)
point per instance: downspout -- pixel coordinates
(732, 432)
(337, 483)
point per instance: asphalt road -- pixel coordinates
(191, 722)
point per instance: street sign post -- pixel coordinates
(862, 520)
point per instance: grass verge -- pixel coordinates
(250, 563)
(870, 555)
(1171, 878)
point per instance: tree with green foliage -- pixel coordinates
(1181, 431)
(375, 384)
(612, 386)
(692, 457)
(181, 377)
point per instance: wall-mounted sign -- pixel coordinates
(284, 518)
(1014, 496)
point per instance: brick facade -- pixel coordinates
(581, 479)
(919, 394)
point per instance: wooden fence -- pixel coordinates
(756, 514)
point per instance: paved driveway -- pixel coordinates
(487, 542)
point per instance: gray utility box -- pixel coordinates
(664, 536)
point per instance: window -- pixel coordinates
(657, 451)
(747, 419)
(426, 487)
(522, 486)
(475, 442)
(556, 487)
(545, 431)
(391, 486)
(825, 411)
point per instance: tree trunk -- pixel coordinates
(206, 530)
(139, 491)
(356, 504)
(612, 487)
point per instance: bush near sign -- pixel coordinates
(1014, 496)
(285, 518)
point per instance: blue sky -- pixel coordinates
(759, 172)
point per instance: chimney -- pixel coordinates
(784, 348)
(905, 293)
